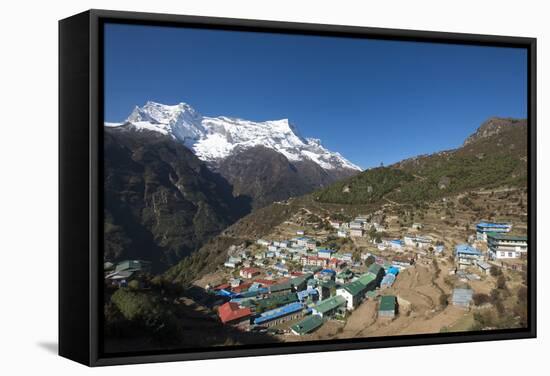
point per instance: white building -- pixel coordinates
(342, 234)
(504, 246)
(484, 228)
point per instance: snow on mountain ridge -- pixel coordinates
(215, 138)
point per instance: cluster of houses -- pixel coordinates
(356, 228)
(328, 285)
(501, 245)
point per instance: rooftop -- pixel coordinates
(308, 324)
(278, 312)
(330, 304)
(494, 225)
(467, 250)
(367, 278)
(232, 311)
(354, 288)
(387, 303)
(501, 236)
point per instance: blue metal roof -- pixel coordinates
(278, 312)
(467, 249)
(493, 225)
(388, 279)
(326, 250)
(328, 271)
(393, 270)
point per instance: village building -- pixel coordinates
(280, 315)
(336, 264)
(462, 297)
(402, 261)
(466, 255)
(387, 281)
(484, 267)
(120, 278)
(325, 253)
(280, 288)
(356, 232)
(369, 280)
(325, 275)
(356, 225)
(313, 261)
(299, 283)
(325, 289)
(353, 293)
(417, 226)
(281, 268)
(273, 301)
(302, 241)
(395, 244)
(505, 246)
(330, 307)
(483, 228)
(342, 234)
(378, 272)
(344, 276)
(300, 232)
(234, 282)
(233, 262)
(417, 241)
(249, 272)
(335, 224)
(262, 242)
(232, 314)
(387, 307)
(307, 325)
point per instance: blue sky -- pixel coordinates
(373, 101)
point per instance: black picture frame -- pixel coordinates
(80, 186)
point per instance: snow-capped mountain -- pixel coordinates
(215, 138)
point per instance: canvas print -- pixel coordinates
(261, 189)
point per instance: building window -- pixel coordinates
(510, 254)
(502, 254)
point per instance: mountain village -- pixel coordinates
(295, 286)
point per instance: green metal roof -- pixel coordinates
(276, 301)
(501, 236)
(387, 303)
(308, 324)
(280, 287)
(330, 304)
(367, 278)
(327, 284)
(375, 268)
(354, 288)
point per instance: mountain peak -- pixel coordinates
(215, 138)
(494, 126)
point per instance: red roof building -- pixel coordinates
(232, 313)
(225, 286)
(265, 282)
(242, 287)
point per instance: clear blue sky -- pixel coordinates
(373, 101)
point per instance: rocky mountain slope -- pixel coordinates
(161, 202)
(494, 155)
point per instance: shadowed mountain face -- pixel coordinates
(267, 176)
(161, 203)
